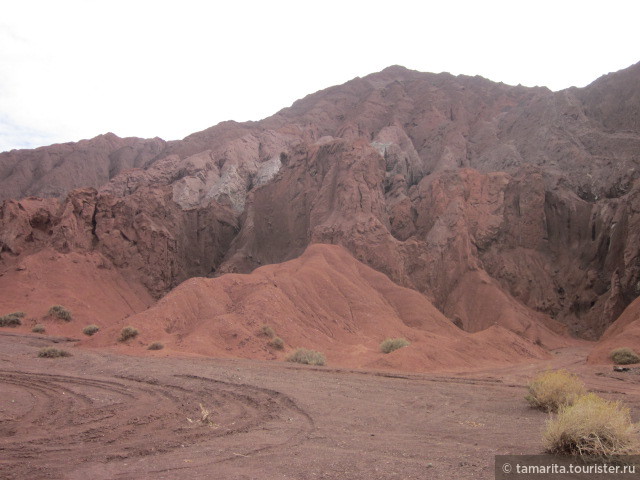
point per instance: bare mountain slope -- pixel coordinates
(501, 204)
(53, 171)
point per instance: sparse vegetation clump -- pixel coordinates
(52, 352)
(11, 319)
(307, 357)
(391, 344)
(276, 343)
(90, 330)
(39, 328)
(550, 390)
(127, 333)
(624, 356)
(592, 428)
(267, 331)
(155, 346)
(206, 417)
(60, 312)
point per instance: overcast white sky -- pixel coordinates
(75, 69)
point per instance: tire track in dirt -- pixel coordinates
(61, 421)
(286, 402)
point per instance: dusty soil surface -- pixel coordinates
(107, 416)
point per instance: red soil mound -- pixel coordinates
(478, 303)
(85, 284)
(324, 300)
(624, 332)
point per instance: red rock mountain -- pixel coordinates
(502, 205)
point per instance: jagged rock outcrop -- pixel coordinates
(144, 234)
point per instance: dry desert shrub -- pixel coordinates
(592, 428)
(276, 343)
(90, 330)
(206, 417)
(624, 356)
(60, 312)
(391, 344)
(550, 390)
(127, 333)
(307, 357)
(11, 319)
(267, 331)
(38, 328)
(52, 352)
(155, 346)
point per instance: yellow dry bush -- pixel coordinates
(60, 312)
(592, 428)
(206, 417)
(550, 390)
(90, 330)
(624, 356)
(128, 332)
(276, 343)
(267, 331)
(52, 352)
(307, 357)
(391, 344)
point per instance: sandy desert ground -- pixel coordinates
(109, 416)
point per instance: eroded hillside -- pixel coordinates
(503, 205)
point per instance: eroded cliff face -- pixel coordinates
(145, 234)
(501, 204)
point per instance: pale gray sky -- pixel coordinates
(72, 69)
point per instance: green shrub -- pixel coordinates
(267, 331)
(10, 320)
(307, 357)
(550, 390)
(391, 344)
(52, 352)
(90, 330)
(39, 328)
(592, 428)
(60, 312)
(277, 343)
(127, 333)
(624, 356)
(155, 346)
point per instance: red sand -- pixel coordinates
(325, 300)
(84, 283)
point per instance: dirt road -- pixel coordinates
(105, 416)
